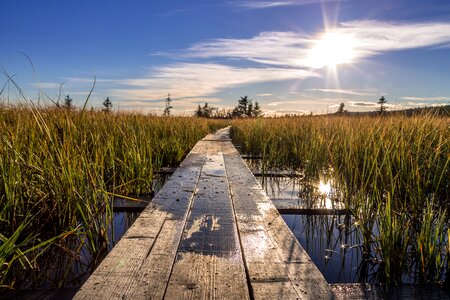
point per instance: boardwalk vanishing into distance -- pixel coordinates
(211, 232)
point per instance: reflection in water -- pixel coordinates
(388, 238)
(332, 243)
(305, 194)
(69, 263)
(325, 188)
(122, 221)
(335, 243)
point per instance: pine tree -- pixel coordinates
(382, 101)
(205, 112)
(242, 106)
(107, 105)
(199, 112)
(341, 109)
(168, 107)
(241, 109)
(68, 102)
(257, 112)
(249, 111)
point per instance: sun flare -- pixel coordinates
(332, 49)
(325, 187)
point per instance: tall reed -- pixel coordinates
(385, 169)
(59, 168)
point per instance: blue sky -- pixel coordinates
(292, 56)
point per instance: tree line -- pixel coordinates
(244, 109)
(381, 110)
(68, 104)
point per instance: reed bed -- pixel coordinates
(392, 172)
(59, 169)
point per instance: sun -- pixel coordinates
(332, 49)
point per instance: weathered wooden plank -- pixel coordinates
(122, 204)
(196, 240)
(290, 273)
(291, 206)
(166, 171)
(209, 262)
(121, 271)
(284, 206)
(157, 267)
(282, 174)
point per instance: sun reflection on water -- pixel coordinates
(325, 188)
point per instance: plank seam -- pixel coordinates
(268, 232)
(247, 274)
(191, 203)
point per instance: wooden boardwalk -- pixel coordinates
(211, 232)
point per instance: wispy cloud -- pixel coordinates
(265, 95)
(275, 56)
(347, 91)
(425, 98)
(173, 12)
(363, 104)
(270, 4)
(184, 80)
(368, 37)
(90, 80)
(272, 48)
(181, 106)
(201, 100)
(47, 85)
(375, 36)
(282, 112)
(322, 101)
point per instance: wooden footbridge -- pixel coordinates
(211, 232)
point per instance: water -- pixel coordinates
(335, 242)
(332, 241)
(70, 263)
(72, 266)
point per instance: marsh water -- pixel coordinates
(69, 265)
(333, 241)
(330, 240)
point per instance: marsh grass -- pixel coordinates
(59, 169)
(392, 172)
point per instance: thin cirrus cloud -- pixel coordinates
(179, 104)
(187, 80)
(47, 85)
(283, 112)
(426, 98)
(173, 12)
(365, 38)
(274, 56)
(323, 101)
(363, 104)
(271, 4)
(347, 91)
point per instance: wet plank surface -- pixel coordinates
(210, 233)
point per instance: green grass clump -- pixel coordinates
(393, 172)
(59, 168)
